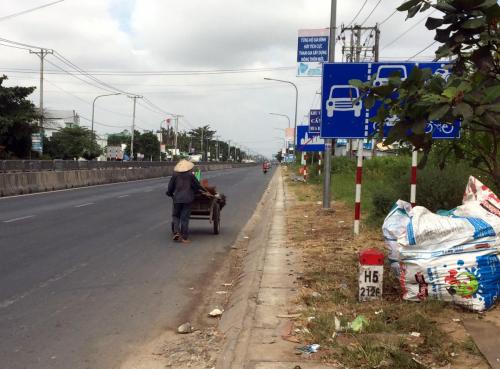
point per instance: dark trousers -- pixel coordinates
(180, 219)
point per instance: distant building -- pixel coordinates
(54, 120)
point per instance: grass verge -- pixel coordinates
(399, 334)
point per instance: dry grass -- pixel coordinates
(330, 267)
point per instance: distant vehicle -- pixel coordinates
(195, 158)
(343, 98)
(385, 71)
(445, 73)
(114, 153)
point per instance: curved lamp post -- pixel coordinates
(93, 109)
(282, 115)
(296, 102)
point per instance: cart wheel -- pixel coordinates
(216, 218)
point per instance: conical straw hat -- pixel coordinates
(183, 166)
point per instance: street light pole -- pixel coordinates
(296, 103)
(93, 110)
(282, 115)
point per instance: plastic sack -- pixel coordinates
(418, 233)
(471, 279)
(450, 256)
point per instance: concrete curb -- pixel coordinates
(236, 321)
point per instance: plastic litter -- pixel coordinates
(215, 313)
(450, 256)
(359, 323)
(310, 349)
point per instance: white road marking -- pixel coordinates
(86, 204)
(122, 196)
(6, 303)
(16, 219)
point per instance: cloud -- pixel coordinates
(189, 34)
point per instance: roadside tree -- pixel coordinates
(17, 121)
(468, 31)
(72, 143)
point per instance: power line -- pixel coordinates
(14, 46)
(102, 124)
(388, 17)
(408, 30)
(358, 13)
(421, 51)
(369, 15)
(85, 101)
(29, 10)
(164, 73)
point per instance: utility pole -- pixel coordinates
(228, 150)
(201, 143)
(352, 53)
(217, 148)
(41, 54)
(133, 126)
(328, 141)
(176, 117)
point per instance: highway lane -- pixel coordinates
(87, 274)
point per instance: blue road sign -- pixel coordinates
(344, 116)
(309, 142)
(315, 121)
(312, 51)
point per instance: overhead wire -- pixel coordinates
(421, 51)
(405, 32)
(10, 16)
(369, 15)
(358, 13)
(388, 17)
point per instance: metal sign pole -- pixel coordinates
(328, 142)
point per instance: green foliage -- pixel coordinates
(279, 156)
(148, 145)
(468, 32)
(387, 179)
(17, 121)
(116, 139)
(72, 143)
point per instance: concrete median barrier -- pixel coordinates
(19, 183)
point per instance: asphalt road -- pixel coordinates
(88, 274)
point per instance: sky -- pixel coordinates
(103, 36)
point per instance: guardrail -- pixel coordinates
(11, 166)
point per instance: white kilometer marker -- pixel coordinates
(82, 205)
(16, 219)
(122, 196)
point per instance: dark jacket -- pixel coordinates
(182, 187)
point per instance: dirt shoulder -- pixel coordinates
(399, 334)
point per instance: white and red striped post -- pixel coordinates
(413, 180)
(359, 174)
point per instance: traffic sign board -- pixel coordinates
(344, 115)
(309, 142)
(314, 121)
(312, 51)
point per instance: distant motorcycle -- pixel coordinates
(265, 167)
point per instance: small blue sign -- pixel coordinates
(315, 121)
(309, 142)
(343, 114)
